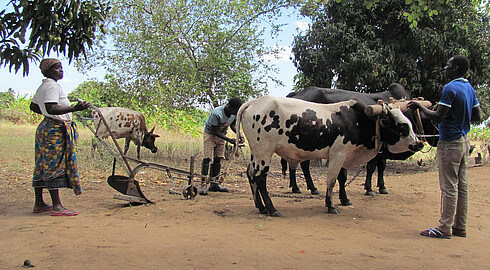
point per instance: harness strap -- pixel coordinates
(377, 136)
(420, 126)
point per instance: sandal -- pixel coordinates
(66, 213)
(435, 233)
(459, 233)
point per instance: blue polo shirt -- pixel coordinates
(217, 117)
(460, 97)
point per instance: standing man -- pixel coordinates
(456, 109)
(55, 155)
(214, 139)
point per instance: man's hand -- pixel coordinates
(413, 105)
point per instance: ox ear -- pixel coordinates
(359, 105)
(151, 131)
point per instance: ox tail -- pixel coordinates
(238, 125)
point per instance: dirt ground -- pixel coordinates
(225, 231)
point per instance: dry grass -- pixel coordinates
(174, 150)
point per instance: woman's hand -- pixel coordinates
(82, 105)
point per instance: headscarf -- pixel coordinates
(46, 64)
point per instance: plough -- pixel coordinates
(127, 185)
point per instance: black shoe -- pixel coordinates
(203, 190)
(213, 187)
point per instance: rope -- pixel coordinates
(221, 176)
(314, 196)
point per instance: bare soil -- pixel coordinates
(225, 231)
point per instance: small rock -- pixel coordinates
(27, 263)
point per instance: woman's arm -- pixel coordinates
(35, 108)
(57, 109)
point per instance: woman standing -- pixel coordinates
(55, 155)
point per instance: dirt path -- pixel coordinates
(225, 231)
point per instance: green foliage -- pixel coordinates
(480, 134)
(415, 10)
(62, 26)
(180, 54)
(362, 49)
(16, 109)
(102, 94)
(6, 98)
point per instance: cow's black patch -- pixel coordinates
(272, 113)
(265, 170)
(281, 131)
(258, 130)
(275, 122)
(311, 133)
(263, 120)
(392, 132)
(292, 120)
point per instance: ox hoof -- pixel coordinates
(264, 211)
(333, 210)
(346, 203)
(383, 191)
(370, 193)
(296, 190)
(275, 214)
(315, 192)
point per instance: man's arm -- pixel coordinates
(476, 115)
(218, 134)
(437, 116)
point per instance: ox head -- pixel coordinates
(149, 141)
(423, 126)
(397, 133)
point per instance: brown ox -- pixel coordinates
(128, 124)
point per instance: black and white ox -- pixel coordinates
(298, 130)
(128, 124)
(328, 96)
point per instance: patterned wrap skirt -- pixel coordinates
(56, 158)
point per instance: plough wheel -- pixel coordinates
(189, 192)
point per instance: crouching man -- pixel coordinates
(214, 139)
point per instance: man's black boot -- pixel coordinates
(215, 186)
(203, 190)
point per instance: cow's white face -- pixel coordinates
(402, 128)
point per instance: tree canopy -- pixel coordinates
(186, 53)
(30, 30)
(361, 49)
